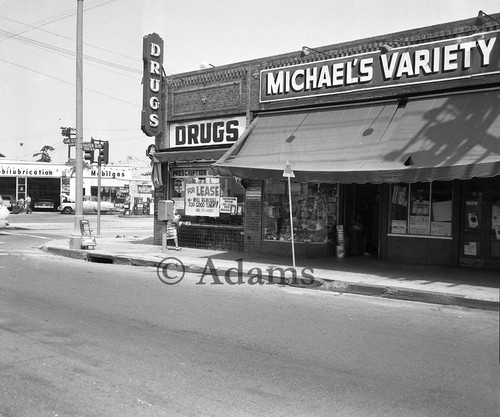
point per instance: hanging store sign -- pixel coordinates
(151, 84)
(451, 59)
(207, 132)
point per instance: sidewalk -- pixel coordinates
(464, 287)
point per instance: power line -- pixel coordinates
(63, 51)
(68, 82)
(61, 36)
(89, 5)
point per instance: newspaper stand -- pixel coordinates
(87, 239)
(165, 214)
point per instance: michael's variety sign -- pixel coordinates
(152, 75)
(470, 56)
(207, 132)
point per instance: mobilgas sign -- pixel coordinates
(451, 59)
(207, 132)
(151, 88)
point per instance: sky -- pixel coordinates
(38, 64)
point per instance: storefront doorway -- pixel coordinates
(45, 188)
(361, 214)
(480, 223)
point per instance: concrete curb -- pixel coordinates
(321, 284)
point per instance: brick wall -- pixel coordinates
(253, 217)
(206, 94)
(211, 237)
(233, 89)
(225, 96)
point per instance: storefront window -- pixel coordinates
(107, 193)
(314, 211)
(495, 218)
(209, 200)
(421, 209)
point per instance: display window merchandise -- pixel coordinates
(209, 200)
(421, 209)
(392, 142)
(314, 211)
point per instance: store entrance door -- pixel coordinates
(362, 219)
(480, 223)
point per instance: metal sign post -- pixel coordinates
(98, 145)
(289, 174)
(99, 199)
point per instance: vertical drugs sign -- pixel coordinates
(152, 77)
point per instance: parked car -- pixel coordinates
(89, 204)
(7, 201)
(4, 213)
(44, 204)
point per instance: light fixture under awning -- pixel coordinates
(448, 137)
(188, 155)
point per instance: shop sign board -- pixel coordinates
(446, 60)
(253, 194)
(188, 172)
(144, 189)
(228, 205)
(151, 89)
(109, 171)
(202, 200)
(211, 132)
(32, 170)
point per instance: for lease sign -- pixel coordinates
(451, 59)
(202, 200)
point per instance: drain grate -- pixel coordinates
(100, 259)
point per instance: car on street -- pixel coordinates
(44, 204)
(89, 204)
(4, 213)
(7, 201)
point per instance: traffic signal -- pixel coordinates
(88, 155)
(103, 153)
(67, 132)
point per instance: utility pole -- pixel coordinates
(76, 237)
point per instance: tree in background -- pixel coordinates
(44, 154)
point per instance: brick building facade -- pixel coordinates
(447, 56)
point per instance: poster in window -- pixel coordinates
(202, 200)
(420, 208)
(399, 195)
(228, 205)
(495, 217)
(470, 248)
(419, 225)
(472, 220)
(441, 211)
(398, 227)
(441, 228)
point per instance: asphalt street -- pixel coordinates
(90, 339)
